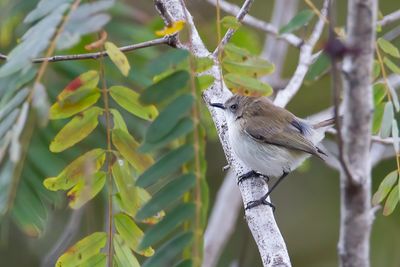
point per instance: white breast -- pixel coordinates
(267, 159)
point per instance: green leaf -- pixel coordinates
(169, 118)
(168, 194)
(165, 88)
(241, 82)
(376, 70)
(129, 100)
(395, 135)
(123, 254)
(128, 147)
(391, 65)
(204, 81)
(236, 53)
(230, 22)
(118, 58)
(168, 251)
(183, 127)
(118, 120)
(378, 116)
(76, 130)
(385, 186)
(98, 260)
(388, 116)
(254, 67)
(388, 47)
(174, 218)
(301, 19)
(74, 103)
(86, 189)
(203, 63)
(83, 250)
(379, 90)
(167, 60)
(318, 67)
(88, 163)
(391, 202)
(126, 187)
(167, 165)
(131, 233)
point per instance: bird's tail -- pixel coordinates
(325, 123)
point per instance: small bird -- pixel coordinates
(269, 139)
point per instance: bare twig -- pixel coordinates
(228, 35)
(305, 59)
(168, 40)
(390, 18)
(356, 213)
(260, 220)
(257, 23)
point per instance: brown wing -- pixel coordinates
(284, 130)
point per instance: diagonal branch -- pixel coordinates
(168, 40)
(257, 23)
(390, 18)
(260, 220)
(228, 35)
(305, 60)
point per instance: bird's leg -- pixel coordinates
(263, 200)
(252, 174)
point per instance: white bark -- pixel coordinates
(356, 213)
(260, 220)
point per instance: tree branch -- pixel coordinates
(260, 220)
(168, 40)
(257, 23)
(228, 35)
(356, 213)
(305, 59)
(227, 204)
(388, 19)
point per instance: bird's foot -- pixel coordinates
(252, 174)
(261, 201)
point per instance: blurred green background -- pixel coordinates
(307, 202)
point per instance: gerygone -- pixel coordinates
(269, 139)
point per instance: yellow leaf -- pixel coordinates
(118, 58)
(131, 233)
(89, 79)
(76, 130)
(86, 189)
(83, 250)
(87, 164)
(177, 26)
(128, 147)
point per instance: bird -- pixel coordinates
(270, 140)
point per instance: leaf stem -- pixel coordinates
(109, 156)
(384, 75)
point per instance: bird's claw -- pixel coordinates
(261, 201)
(251, 174)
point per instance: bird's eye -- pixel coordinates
(233, 107)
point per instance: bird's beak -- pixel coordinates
(218, 105)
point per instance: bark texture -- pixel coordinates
(356, 213)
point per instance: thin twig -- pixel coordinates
(258, 24)
(168, 40)
(228, 35)
(390, 18)
(305, 60)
